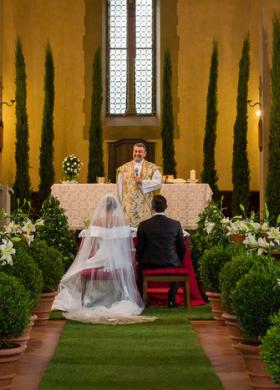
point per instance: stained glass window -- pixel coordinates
(130, 61)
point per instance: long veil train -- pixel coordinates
(100, 285)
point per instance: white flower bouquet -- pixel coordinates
(71, 166)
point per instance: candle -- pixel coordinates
(192, 175)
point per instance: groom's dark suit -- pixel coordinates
(160, 244)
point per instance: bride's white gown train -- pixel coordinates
(100, 285)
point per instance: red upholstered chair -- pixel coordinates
(167, 275)
(172, 274)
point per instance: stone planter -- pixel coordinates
(259, 377)
(216, 305)
(8, 360)
(44, 308)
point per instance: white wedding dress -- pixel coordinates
(100, 285)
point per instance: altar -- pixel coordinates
(185, 201)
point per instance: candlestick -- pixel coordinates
(192, 175)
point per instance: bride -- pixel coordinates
(100, 285)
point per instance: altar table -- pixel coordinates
(185, 201)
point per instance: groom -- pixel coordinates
(160, 244)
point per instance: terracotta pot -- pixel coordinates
(236, 333)
(8, 360)
(239, 238)
(25, 337)
(44, 308)
(259, 377)
(216, 305)
(276, 254)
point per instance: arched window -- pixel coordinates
(131, 57)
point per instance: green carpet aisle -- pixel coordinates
(160, 355)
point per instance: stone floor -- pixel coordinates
(213, 336)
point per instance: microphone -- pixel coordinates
(136, 171)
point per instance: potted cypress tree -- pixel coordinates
(22, 180)
(167, 131)
(240, 164)
(95, 162)
(209, 173)
(273, 173)
(46, 170)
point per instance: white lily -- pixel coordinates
(12, 228)
(28, 227)
(250, 241)
(209, 226)
(29, 238)
(253, 226)
(263, 246)
(39, 222)
(226, 221)
(274, 234)
(264, 227)
(7, 250)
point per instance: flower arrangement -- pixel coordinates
(16, 228)
(256, 236)
(71, 166)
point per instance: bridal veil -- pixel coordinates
(100, 285)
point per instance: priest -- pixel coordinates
(136, 182)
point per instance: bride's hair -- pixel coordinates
(111, 204)
(108, 213)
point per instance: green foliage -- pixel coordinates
(27, 271)
(232, 273)
(273, 174)
(56, 231)
(95, 163)
(167, 132)
(212, 263)
(240, 164)
(209, 173)
(256, 297)
(46, 170)
(14, 307)
(270, 349)
(49, 261)
(22, 180)
(200, 239)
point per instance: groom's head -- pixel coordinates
(159, 203)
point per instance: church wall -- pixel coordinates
(74, 30)
(37, 22)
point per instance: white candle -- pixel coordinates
(192, 175)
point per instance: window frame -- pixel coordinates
(153, 114)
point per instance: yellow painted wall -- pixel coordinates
(74, 30)
(37, 22)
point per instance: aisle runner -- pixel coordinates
(161, 355)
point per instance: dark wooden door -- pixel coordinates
(120, 152)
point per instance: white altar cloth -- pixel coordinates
(185, 201)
